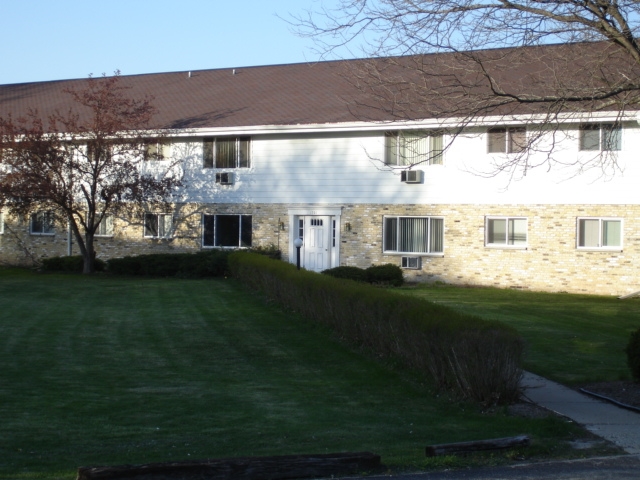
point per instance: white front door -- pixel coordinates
(317, 244)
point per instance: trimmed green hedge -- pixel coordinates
(209, 263)
(470, 357)
(633, 354)
(386, 274)
(72, 264)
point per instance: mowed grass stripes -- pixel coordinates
(105, 370)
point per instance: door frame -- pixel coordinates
(334, 215)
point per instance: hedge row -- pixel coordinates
(73, 264)
(206, 263)
(467, 356)
(209, 263)
(386, 274)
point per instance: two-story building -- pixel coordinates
(274, 153)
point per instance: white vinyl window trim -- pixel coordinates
(599, 233)
(227, 231)
(105, 228)
(405, 148)
(413, 235)
(506, 140)
(159, 149)
(42, 223)
(506, 232)
(158, 225)
(598, 137)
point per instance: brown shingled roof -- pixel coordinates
(335, 91)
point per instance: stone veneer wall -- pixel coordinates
(551, 261)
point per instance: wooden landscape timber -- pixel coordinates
(478, 445)
(247, 468)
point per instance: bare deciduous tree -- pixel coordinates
(84, 165)
(593, 66)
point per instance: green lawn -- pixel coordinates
(574, 339)
(103, 370)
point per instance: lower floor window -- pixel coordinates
(105, 227)
(413, 235)
(42, 223)
(226, 230)
(157, 225)
(600, 233)
(506, 231)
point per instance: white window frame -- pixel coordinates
(164, 223)
(411, 147)
(214, 241)
(600, 234)
(606, 132)
(387, 235)
(210, 152)
(510, 142)
(47, 218)
(158, 150)
(509, 234)
(105, 227)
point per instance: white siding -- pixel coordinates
(347, 168)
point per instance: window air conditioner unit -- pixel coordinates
(411, 176)
(224, 178)
(413, 263)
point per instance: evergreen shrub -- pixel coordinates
(387, 274)
(347, 273)
(71, 264)
(633, 355)
(470, 357)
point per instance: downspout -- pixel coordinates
(69, 243)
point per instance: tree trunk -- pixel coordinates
(89, 255)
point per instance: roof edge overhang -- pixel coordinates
(427, 124)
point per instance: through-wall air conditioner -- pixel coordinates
(224, 178)
(413, 263)
(411, 176)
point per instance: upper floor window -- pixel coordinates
(600, 233)
(506, 140)
(157, 225)
(410, 148)
(42, 223)
(413, 235)
(226, 230)
(158, 149)
(601, 137)
(506, 231)
(227, 152)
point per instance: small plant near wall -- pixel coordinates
(633, 355)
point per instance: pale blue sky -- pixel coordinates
(60, 39)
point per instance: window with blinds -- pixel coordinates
(413, 235)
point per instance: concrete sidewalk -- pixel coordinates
(606, 420)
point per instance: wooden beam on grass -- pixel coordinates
(478, 445)
(249, 468)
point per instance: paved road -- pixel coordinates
(626, 467)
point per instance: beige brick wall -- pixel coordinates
(551, 261)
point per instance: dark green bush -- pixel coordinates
(270, 251)
(470, 357)
(348, 273)
(208, 263)
(387, 274)
(633, 355)
(72, 264)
